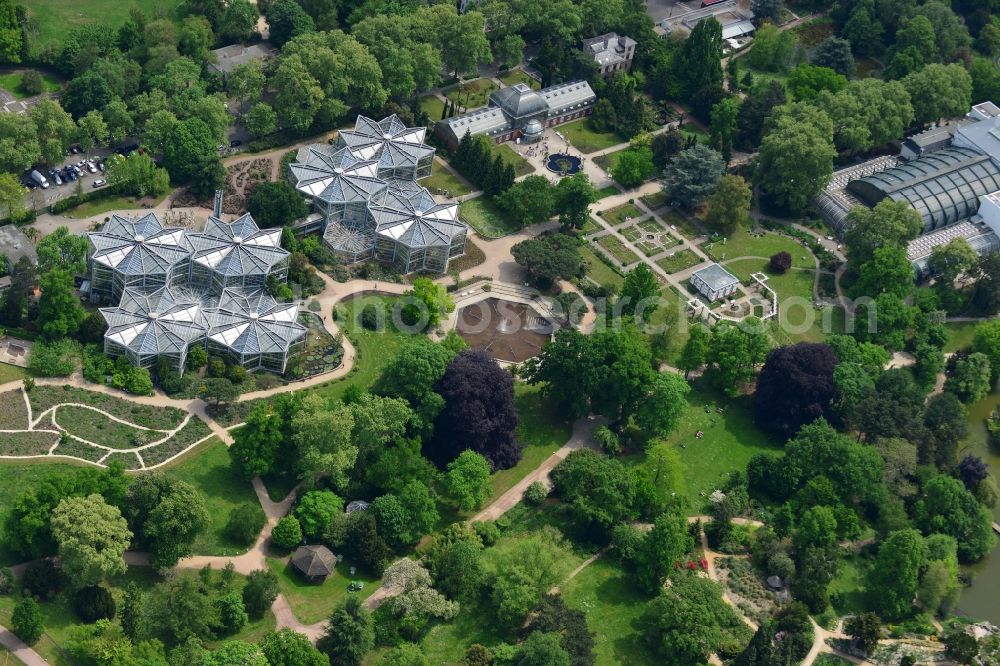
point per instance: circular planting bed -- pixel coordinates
(505, 330)
(563, 164)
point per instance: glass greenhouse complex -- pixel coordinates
(950, 175)
(176, 290)
(364, 188)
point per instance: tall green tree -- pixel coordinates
(693, 174)
(92, 538)
(698, 63)
(796, 157)
(349, 634)
(59, 310)
(573, 198)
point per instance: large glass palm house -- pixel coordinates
(415, 233)
(136, 254)
(365, 188)
(253, 330)
(236, 254)
(399, 150)
(148, 325)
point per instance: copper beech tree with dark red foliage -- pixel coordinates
(795, 387)
(478, 413)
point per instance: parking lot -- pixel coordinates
(41, 198)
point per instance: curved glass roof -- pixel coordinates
(943, 186)
(237, 248)
(519, 101)
(388, 141)
(164, 321)
(138, 246)
(334, 175)
(416, 219)
(254, 323)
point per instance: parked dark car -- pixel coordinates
(234, 143)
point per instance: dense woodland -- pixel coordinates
(865, 462)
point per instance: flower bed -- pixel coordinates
(79, 450)
(195, 430)
(127, 458)
(745, 588)
(147, 416)
(95, 427)
(13, 411)
(26, 443)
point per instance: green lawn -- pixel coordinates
(605, 594)
(509, 156)
(743, 244)
(11, 373)
(609, 160)
(483, 215)
(607, 191)
(729, 439)
(689, 130)
(313, 603)
(443, 180)
(848, 588)
(620, 214)
(209, 469)
(671, 318)
(613, 246)
(685, 227)
(960, 334)
(539, 430)
(55, 18)
(471, 94)
(587, 140)
(432, 106)
(519, 76)
(655, 200)
(599, 271)
(373, 349)
(589, 227)
(105, 204)
(678, 261)
(11, 82)
(797, 283)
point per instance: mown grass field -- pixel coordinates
(56, 18)
(587, 140)
(443, 180)
(620, 214)
(209, 469)
(104, 205)
(605, 593)
(313, 603)
(599, 271)
(730, 439)
(483, 215)
(11, 82)
(678, 261)
(743, 244)
(519, 76)
(373, 349)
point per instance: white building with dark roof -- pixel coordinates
(518, 112)
(714, 282)
(612, 52)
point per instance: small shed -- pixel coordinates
(357, 505)
(315, 563)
